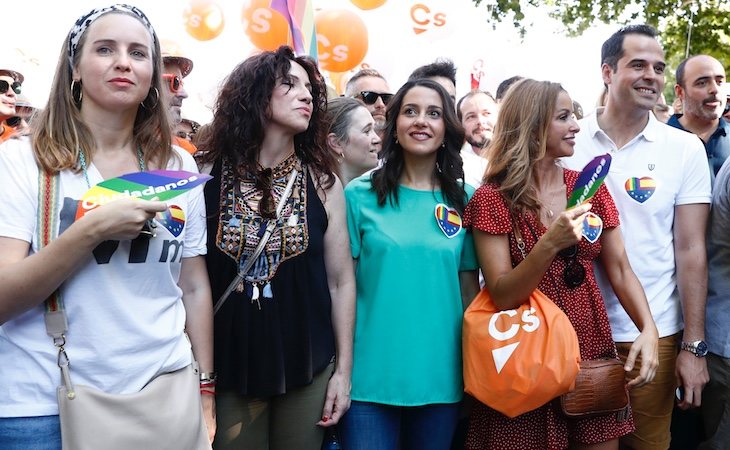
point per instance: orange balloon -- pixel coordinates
(203, 19)
(266, 28)
(368, 4)
(339, 80)
(342, 39)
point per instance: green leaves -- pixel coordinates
(710, 22)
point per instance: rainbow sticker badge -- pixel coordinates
(592, 227)
(640, 189)
(173, 219)
(448, 219)
(590, 179)
(156, 184)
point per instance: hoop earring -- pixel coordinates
(155, 102)
(76, 88)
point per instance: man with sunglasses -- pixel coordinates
(175, 68)
(371, 89)
(186, 129)
(10, 82)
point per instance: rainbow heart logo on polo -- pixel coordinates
(592, 227)
(448, 219)
(173, 219)
(640, 189)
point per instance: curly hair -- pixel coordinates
(242, 114)
(448, 170)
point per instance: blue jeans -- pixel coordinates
(368, 426)
(30, 433)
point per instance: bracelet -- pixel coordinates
(208, 376)
(206, 391)
(207, 384)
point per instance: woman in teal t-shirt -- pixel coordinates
(416, 268)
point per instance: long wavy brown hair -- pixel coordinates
(60, 133)
(242, 115)
(519, 141)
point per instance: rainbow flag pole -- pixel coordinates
(300, 15)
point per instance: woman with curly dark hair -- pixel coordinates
(416, 269)
(283, 328)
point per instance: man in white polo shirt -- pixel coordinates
(661, 185)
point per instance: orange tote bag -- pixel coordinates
(517, 360)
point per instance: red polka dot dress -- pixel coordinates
(546, 427)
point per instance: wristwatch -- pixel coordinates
(698, 348)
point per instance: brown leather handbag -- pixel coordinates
(600, 389)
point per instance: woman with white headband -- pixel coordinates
(130, 275)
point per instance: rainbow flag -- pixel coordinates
(155, 184)
(589, 180)
(300, 15)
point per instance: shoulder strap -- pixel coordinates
(46, 231)
(262, 243)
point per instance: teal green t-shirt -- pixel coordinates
(409, 311)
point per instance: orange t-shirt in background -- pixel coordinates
(6, 133)
(184, 144)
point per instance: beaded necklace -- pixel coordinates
(84, 166)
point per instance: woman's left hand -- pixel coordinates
(337, 401)
(646, 345)
(209, 415)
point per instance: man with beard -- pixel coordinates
(699, 85)
(477, 112)
(371, 89)
(176, 67)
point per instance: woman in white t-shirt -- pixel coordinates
(129, 296)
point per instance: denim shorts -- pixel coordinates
(30, 433)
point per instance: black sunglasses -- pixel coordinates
(370, 97)
(185, 135)
(5, 85)
(574, 274)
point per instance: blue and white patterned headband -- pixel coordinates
(87, 19)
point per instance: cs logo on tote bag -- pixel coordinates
(517, 360)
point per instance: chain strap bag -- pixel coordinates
(165, 415)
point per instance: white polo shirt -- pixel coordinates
(662, 167)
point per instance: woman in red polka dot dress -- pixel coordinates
(525, 188)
